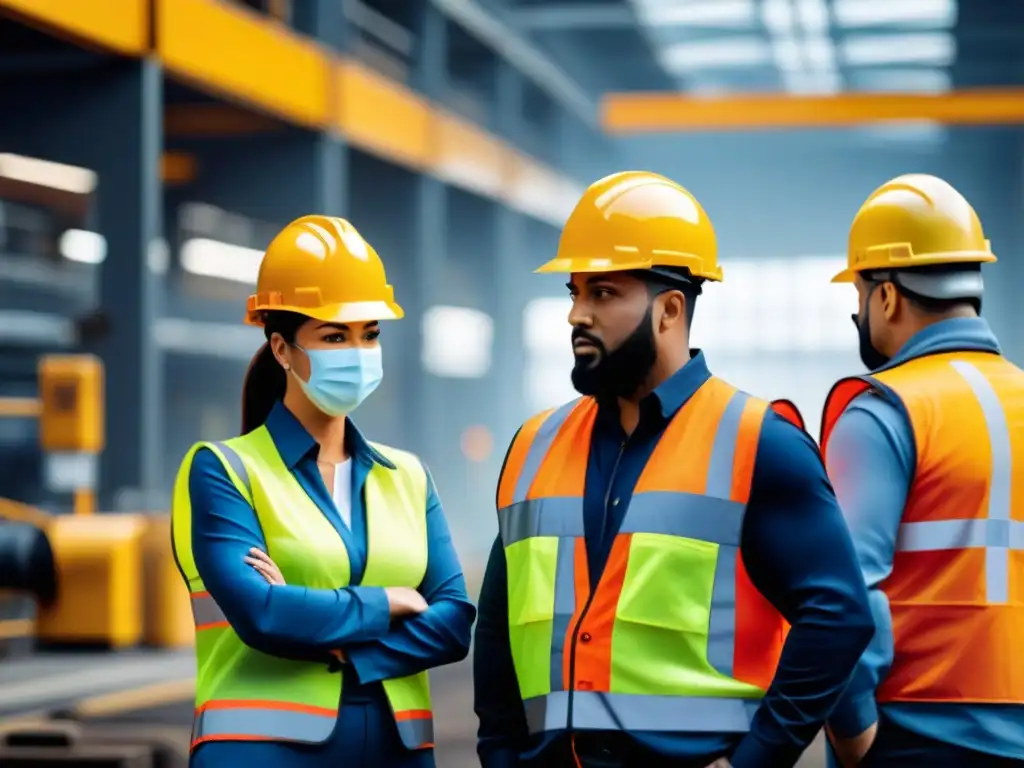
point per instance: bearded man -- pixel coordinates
(673, 583)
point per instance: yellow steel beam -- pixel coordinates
(23, 513)
(253, 60)
(115, 25)
(20, 407)
(245, 55)
(630, 113)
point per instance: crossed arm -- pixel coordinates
(295, 621)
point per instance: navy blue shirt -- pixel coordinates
(797, 552)
(296, 622)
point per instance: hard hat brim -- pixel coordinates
(846, 276)
(348, 312)
(591, 265)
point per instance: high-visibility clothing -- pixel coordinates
(956, 591)
(321, 267)
(787, 409)
(637, 220)
(914, 220)
(243, 694)
(674, 637)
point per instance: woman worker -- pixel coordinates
(323, 578)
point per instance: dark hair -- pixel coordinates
(266, 381)
(661, 279)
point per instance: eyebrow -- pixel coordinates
(593, 280)
(344, 327)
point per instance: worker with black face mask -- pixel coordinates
(672, 571)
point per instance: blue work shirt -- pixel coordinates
(296, 622)
(871, 456)
(797, 552)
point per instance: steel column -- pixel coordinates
(107, 117)
(512, 272)
(430, 217)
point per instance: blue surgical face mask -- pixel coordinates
(340, 379)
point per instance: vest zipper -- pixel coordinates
(590, 597)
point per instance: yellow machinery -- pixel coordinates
(117, 584)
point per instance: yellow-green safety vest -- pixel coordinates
(243, 694)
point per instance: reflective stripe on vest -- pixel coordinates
(957, 585)
(292, 700)
(206, 613)
(270, 720)
(628, 712)
(708, 512)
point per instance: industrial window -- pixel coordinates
(548, 353)
(780, 328)
(457, 342)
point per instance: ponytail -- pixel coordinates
(266, 381)
(264, 385)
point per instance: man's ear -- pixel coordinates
(890, 299)
(673, 310)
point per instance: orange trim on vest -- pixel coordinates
(761, 630)
(956, 590)
(517, 457)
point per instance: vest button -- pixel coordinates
(585, 637)
(584, 685)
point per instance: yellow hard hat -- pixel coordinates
(914, 221)
(322, 267)
(637, 220)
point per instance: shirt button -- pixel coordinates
(584, 685)
(585, 637)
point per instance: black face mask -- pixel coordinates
(869, 354)
(622, 371)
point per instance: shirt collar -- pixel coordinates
(953, 335)
(673, 393)
(294, 443)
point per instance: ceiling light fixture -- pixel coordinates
(701, 13)
(867, 13)
(820, 53)
(936, 48)
(778, 17)
(718, 53)
(813, 16)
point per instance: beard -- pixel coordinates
(621, 372)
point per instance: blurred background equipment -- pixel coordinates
(149, 150)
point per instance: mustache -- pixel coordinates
(579, 333)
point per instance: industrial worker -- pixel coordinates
(927, 457)
(323, 578)
(660, 534)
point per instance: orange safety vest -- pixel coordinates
(957, 585)
(675, 637)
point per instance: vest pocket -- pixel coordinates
(531, 609)
(665, 609)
